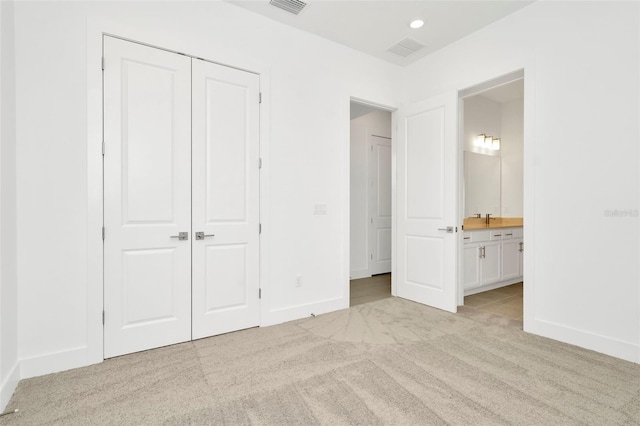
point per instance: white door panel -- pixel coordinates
(380, 205)
(426, 194)
(225, 199)
(147, 187)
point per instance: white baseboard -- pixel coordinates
(359, 273)
(53, 362)
(595, 342)
(492, 286)
(278, 316)
(9, 385)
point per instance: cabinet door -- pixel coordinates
(520, 255)
(471, 266)
(510, 259)
(490, 266)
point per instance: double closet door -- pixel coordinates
(181, 198)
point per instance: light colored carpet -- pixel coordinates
(385, 362)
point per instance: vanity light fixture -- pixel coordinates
(487, 142)
(479, 142)
(416, 23)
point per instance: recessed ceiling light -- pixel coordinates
(416, 23)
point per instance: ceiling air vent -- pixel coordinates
(406, 47)
(292, 6)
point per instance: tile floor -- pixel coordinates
(504, 301)
(365, 290)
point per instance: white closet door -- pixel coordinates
(147, 197)
(380, 205)
(426, 190)
(225, 199)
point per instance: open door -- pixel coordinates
(427, 169)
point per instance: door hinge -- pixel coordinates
(102, 147)
(103, 233)
(102, 317)
(260, 97)
(103, 63)
(259, 228)
(260, 163)
(259, 293)
(371, 255)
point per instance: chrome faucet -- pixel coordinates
(477, 215)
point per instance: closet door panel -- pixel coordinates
(147, 197)
(225, 199)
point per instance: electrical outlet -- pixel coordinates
(298, 280)
(320, 209)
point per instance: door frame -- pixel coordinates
(526, 72)
(97, 27)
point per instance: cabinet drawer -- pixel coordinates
(508, 233)
(517, 233)
(497, 234)
(476, 236)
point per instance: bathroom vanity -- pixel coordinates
(492, 255)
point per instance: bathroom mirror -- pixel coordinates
(481, 184)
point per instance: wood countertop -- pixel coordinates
(472, 223)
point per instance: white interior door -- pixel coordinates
(225, 199)
(379, 205)
(427, 170)
(147, 197)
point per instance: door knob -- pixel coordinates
(202, 235)
(449, 229)
(182, 236)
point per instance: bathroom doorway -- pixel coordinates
(370, 203)
(492, 145)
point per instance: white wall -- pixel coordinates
(581, 77)
(9, 371)
(377, 123)
(581, 63)
(512, 156)
(306, 157)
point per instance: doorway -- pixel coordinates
(181, 198)
(492, 141)
(370, 203)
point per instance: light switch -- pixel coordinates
(320, 209)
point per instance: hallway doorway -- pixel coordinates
(370, 202)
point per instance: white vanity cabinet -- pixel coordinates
(492, 258)
(511, 259)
